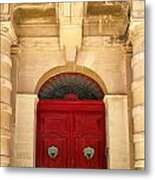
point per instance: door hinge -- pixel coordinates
(106, 151)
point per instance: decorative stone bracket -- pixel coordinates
(70, 55)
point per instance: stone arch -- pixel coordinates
(70, 69)
(71, 85)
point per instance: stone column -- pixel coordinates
(137, 87)
(7, 38)
(137, 65)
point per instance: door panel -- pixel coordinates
(53, 122)
(52, 131)
(70, 134)
(61, 143)
(89, 132)
(86, 122)
(93, 143)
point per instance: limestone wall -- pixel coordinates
(122, 74)
(137, 36)
(25, 126)
(40, 55)
(117, 123)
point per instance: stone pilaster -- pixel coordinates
(7, 38)
(117, 131)
(15, 56)
(137, 87)
(127, 49)
(25, 130)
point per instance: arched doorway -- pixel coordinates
(71, 123)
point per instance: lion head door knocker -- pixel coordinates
(53, 152)
(89, 152)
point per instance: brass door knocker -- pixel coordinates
(89, 152)
(53, 152)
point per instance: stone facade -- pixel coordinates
(39, 41)
(137, 86)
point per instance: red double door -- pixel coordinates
(70, 134)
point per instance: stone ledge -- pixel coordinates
(36, 42)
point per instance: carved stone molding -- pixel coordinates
(136, 28)
(6, 59)
(5, 11)
(104, 41)
(16, 49)
(71, 13)
(6, 108)
(136, 60)
(127, 47)
(70, 22)
(7, 31)
(113, 8)
(43, 43)
(106, 18)
(70, 55)
(138, 9)
(136, 35)
(6, 83)
(34, 13)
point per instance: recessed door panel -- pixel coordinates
(86, 122)
(53, 151)
(53, 123)
(89, 152)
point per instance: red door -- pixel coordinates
(71, 134)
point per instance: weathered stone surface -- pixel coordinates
(117, 132)
(138, 90)
(7, 38)
(73, 37)
(25, 130)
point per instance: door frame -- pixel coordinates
(118, 126)
(109, 119)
